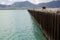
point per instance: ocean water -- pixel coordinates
(18, 25)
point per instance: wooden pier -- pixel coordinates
(49, 19)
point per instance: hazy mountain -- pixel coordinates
(2, 5)
(52, 4)
(23, 4)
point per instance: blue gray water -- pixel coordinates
(18, 25)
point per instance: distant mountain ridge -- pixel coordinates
(23, 4)
(52, 4)
(2, 5)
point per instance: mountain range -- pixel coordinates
(52, 4)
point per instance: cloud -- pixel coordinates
(39, 1)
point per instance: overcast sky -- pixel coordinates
(32, 1)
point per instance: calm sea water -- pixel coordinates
(18, 25)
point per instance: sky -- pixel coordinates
(8, 2)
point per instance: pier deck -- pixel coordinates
(49, 19)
